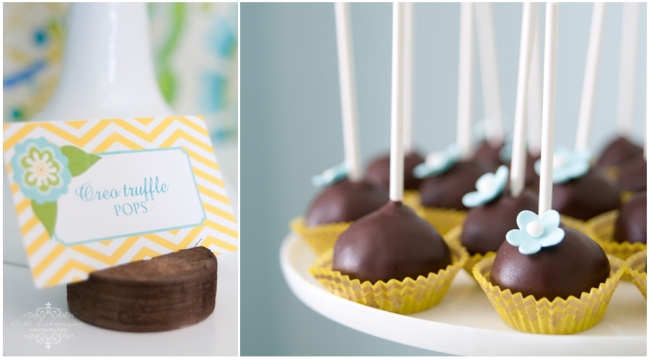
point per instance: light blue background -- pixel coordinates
(291, 130)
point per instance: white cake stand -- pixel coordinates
(464, 322)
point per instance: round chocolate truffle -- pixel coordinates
(489, 155)
(345, 201)
(485, 226)
(379, 171)
(575, 265)
(447, 189)
(633, 175)
(585, 197)
(391, 243)
(631, 224)
(617, 151)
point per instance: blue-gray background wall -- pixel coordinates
(291, 130)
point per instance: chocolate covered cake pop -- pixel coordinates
(633, 175)
(493, 212)
(578, 190)
(631, 224)
(537, 278)
(489, 155)
(618, 151)
(445, 190)
(379, 171)
(485, 226)
(574, 265)
(345, 201)
(391, 243)
(585, 197)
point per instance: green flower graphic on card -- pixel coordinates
(43, 172)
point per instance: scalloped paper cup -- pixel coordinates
(398, 296)
(322, 237)
(453, 236)
(602, 228)
(637, 271)
(557, 317)
(441, 219)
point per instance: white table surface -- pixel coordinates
(216, 335)
(465, 322)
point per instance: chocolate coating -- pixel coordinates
(446, 190)
(631, 224)
(379, 171)
(391, 243)
(633, 175)
(485, 226)
(575, 265)
(586, 197)
(532, 179)
(489, 156)
(617, 151)
(167, 292)
(345, 201)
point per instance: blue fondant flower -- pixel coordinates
(535, 232)
(567, 164)
(41, 170)
(489, 186)
(330, 176)
(505, 153)
(437, 162)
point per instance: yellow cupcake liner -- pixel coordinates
(559, 316)
(398, 296)
(322, 237)
(453, 236)
(411, 198)
(602, 228)
(637, 271)
(441, 219)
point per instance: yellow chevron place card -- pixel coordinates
(91, 194)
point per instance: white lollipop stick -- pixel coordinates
(348, 91)
(408, 79)
(590, 77)
(489, 74)
(535, 95)
(396, 131)
(626, 84)
(549, 97)
(519, 153)
(465, 80)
